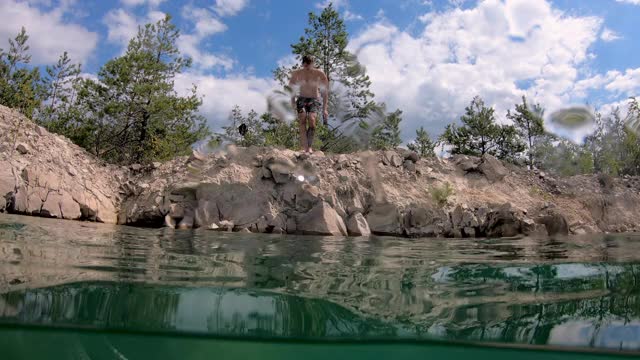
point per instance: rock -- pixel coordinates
(391, 158)
(196, 156)
(357, 225)
(188, 219)
(40, 130)
(266, 173)
(384, 219)
(411, 156)
(244, 231)
(321, 220)
(169, 221)
(156, 165)
(176, 211)
(226, 225)
(531, 228)
(503, 222)
(135, 167)
(410, 165)
(466, 163)
(22, 148)
(213, 226)
(469, 232)
(554, 222)
(492, 168)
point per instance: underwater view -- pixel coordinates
(106, 290)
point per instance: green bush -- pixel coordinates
(440, 194)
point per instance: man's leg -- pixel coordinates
(311, 131)
(302, 123)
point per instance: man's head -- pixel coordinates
(307, 61)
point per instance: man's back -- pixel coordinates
(308, 82)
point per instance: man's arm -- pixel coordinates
(325, 99)
(292, 82)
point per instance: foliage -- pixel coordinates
(19, 85)
(280, 134)
(562, 156)
(479, 134)
(254, 135)
(59, 89)
(440, 194)
(132, 113)
(387, 135)
(529, 124)
(423, 145)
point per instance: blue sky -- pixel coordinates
(428, 58)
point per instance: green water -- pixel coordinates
(90, 291)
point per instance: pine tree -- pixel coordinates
(19, 85)
(480, 135)
(423, 145)
(59, 92)
(387, 135)
(529, 124)
(133, 113)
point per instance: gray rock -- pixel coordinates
(357, 225)
(554, 222)
(135, 167)
(410, 165)
(321, 220)
(40, 130)
(22, 148)
(384, 219)
(492, 168)
(411, 156)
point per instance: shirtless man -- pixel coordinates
(307, 84)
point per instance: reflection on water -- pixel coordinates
(581, 291)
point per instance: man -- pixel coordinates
(307, 84)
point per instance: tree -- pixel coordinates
(18, 84)
(423, 144)
(563, 157)
(387, 135)
(251, 135)
(133, 113)
(279, 133)
(59, 91)
(529, 124)
(479, 134)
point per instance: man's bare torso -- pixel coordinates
(308, 83)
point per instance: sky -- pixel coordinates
(427, 58)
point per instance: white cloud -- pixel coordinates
(336, 4)
(152, 3)
(50, 34)
(229, 7)
(634, 2)
(122, 26)
(205, 22)
(491, 50)
(627, 83)
(609, 35)
(349, 16)
(221, 94)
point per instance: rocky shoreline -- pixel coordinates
(268, 190)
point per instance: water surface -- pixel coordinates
(573, 293)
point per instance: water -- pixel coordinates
(98, 291)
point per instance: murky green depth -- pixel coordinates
(106, 292)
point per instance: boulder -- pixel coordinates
(321, 220)
(22, 148)
(384, 219)
(466, 163)
(357, 225)
(503, 222)
(411, 156)
(554, 222)
(410, 166)
(492, 168)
